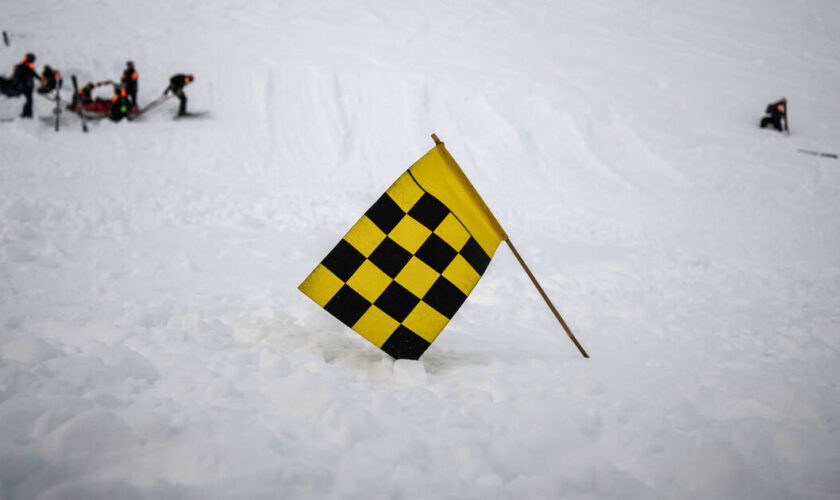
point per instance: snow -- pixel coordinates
(153, 343)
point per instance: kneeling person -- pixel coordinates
(120, 104)
(777, 112)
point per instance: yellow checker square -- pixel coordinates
(376, 326)
(452, 231)
(321, 285)
(409, 234)
(405, 192)
(417, 277)
(365, 236)
(368, 281)
(425, 321)
(461, 274)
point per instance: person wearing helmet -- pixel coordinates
(85, 94)
(50, 80)
(120, 106)
(129, 81)
(176, 86)
(776, 113)
(22, 83)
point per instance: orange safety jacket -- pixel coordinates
(119, 95)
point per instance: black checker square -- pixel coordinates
(429, 211)
(405, 344)
(343, 260)
(347, 305)
(445, 297)
(475, 255)
(385, 213)
(390, 257)
(396, 301)
(436, 253)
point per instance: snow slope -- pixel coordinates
(153, 343)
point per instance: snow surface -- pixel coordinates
(153, 343)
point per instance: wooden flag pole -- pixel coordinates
(545, 298)
(535, 282)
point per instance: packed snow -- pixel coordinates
(154, 345)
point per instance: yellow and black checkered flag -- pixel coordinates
(403, 270)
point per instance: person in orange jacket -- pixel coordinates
(22, 83)
(129, 81)
(776, 113)
(120, 106)
(176, 86)
(50, 80)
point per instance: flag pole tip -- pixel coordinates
(435, 138)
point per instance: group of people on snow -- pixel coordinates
(122, 104)
(124, 101)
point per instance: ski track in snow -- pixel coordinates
(153, 343)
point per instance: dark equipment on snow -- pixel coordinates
(191, 114)
(57, 110)
(776, 114)
(76, 105)
(7, 37)
(818, 153)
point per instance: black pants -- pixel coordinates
(775, 120)
(132, 95)
(182, 109)
(27, 106)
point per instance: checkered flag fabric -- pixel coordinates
(403, 270)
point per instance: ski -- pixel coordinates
(5, 38)
(79, 104)
(191, 114)
(57, 111)
(818, 153)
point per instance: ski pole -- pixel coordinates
(58, 103)
(818, 153)
(7, 37)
